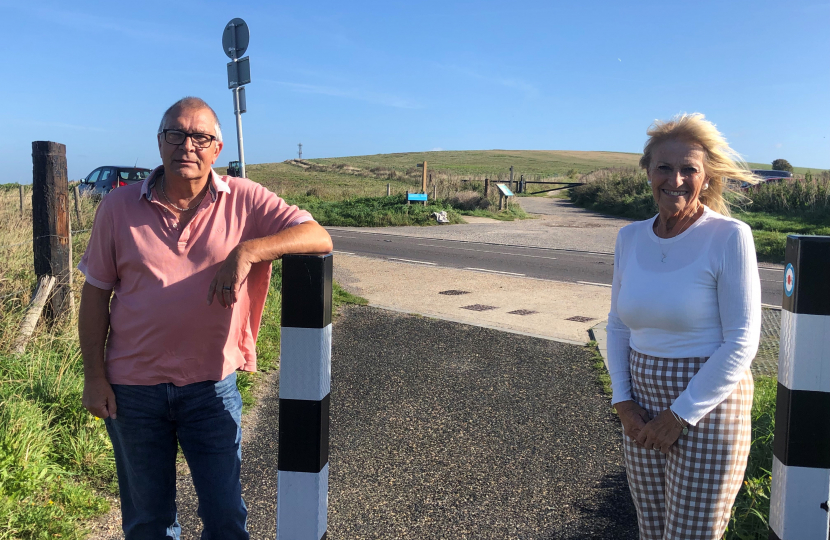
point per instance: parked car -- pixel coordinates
(771, 176)
(766, 176)
(104, 179)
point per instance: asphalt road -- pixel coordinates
(542, 263)
(443, 430)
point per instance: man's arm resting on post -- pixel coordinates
(93, 327)
(308, 237)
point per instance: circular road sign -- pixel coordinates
(789, 280)
(235, 38)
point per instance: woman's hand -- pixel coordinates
(661, 433)
(633, 417)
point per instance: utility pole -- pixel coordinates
(300, 153)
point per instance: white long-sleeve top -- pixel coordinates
(695, 295)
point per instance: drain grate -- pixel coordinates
(479, 307)
(522, 312)
(579, 318)
(453, 292)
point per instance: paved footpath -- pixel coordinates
(442, 430)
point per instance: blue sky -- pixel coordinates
(369, 77)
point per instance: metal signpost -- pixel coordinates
(235, 42)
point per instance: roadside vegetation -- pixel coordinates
(773, 210)
(340, 194)
(56, 459)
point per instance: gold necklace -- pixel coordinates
(188, 209)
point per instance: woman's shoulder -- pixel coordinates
(633, 229)
(725, 225)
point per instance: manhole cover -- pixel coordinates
(521, 312)
(454, 293)
(579, 318)
(479, 307)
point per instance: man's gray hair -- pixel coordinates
(191, 102)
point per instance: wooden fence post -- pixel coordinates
(77, 195)
(20, 188)
(388, 190)
(486, 187)
(50, 220)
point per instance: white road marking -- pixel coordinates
(338, 236)
(595, 284)
(493, 271)
(486, 251)
(343, 252)
(411, 261)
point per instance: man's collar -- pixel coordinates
(216, 186)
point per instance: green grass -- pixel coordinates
(770, 231)
(598, 365)
(373, 211)
(488, 162)
(750, 514)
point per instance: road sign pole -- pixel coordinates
(236, 110)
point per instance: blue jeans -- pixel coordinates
(205, 419)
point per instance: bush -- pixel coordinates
(469, 200)
(623, 192)
(804, 197)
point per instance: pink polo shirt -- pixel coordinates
(161, 328)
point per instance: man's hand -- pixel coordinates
(225, 285)
(661, 433)
(98, 398)
(633, 417)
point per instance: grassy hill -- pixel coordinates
(351, 176)
(481, 162)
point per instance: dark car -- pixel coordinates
(767, 176)
(771, 176)
(104, 179)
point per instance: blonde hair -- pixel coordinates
(721, 163)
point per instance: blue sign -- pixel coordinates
(416, 197)
(505, 190)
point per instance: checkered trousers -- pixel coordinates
(688, 493)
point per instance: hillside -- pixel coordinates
(341, 177)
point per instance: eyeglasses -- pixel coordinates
(200, 140)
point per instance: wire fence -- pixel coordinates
(9, 246)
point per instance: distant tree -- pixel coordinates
(782, 165)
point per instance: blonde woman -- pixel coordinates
(683, 328)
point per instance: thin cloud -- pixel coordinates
(377, 98)
(528, 89)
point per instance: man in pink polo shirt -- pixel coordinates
(177, 272)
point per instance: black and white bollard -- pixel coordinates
(801, 448)
(305, 384)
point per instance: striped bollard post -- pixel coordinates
(305, 384)
(801, 448)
